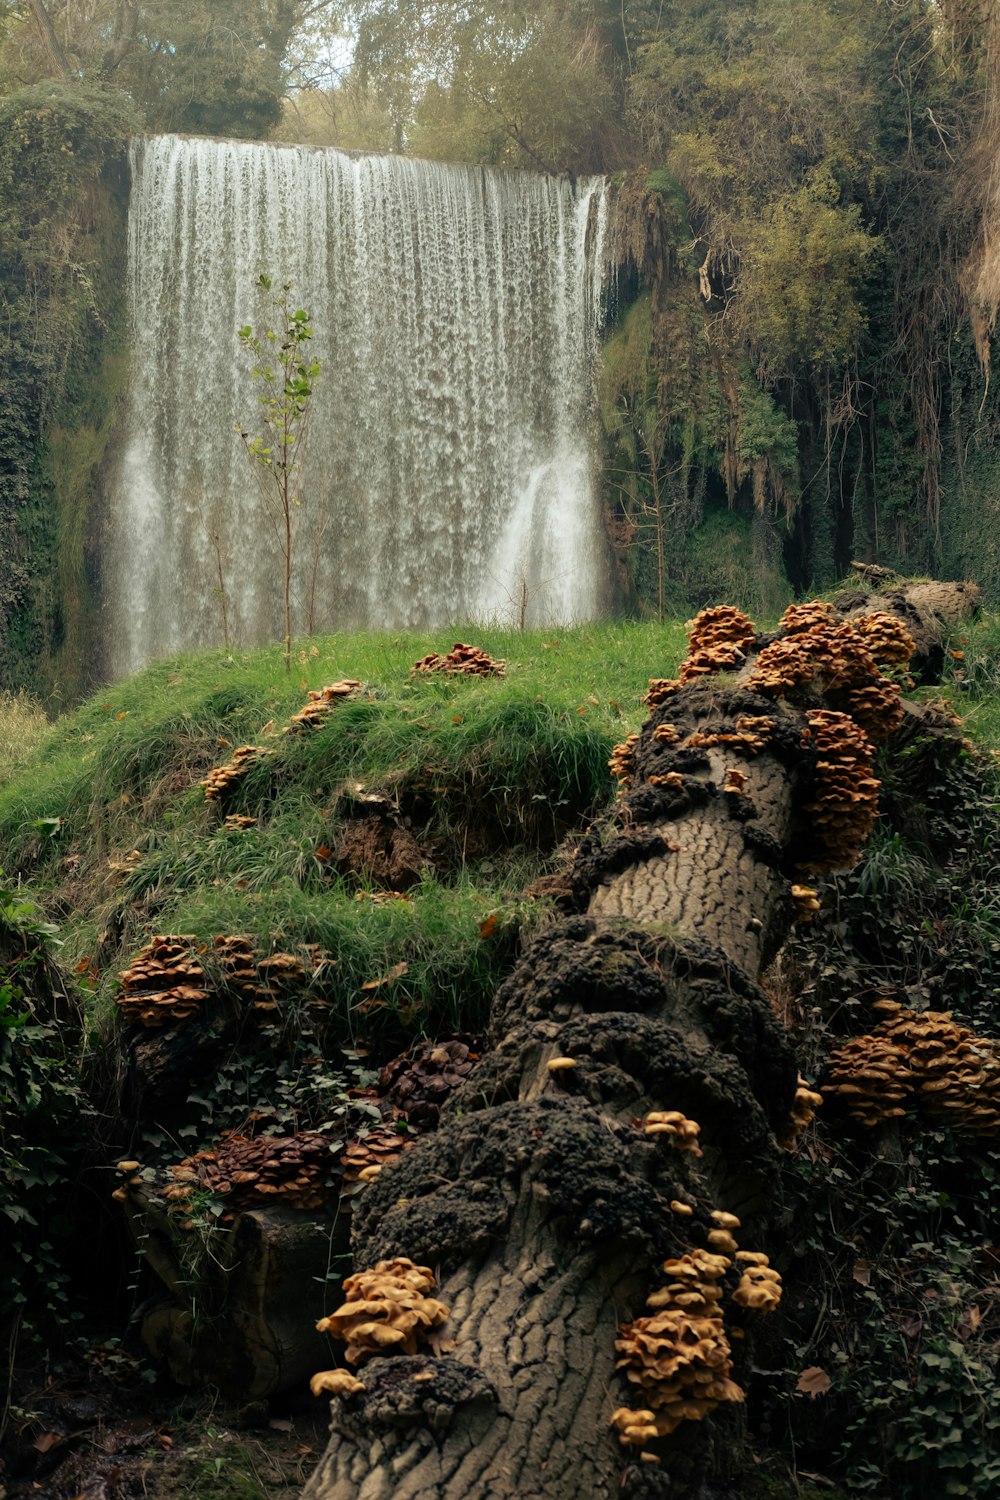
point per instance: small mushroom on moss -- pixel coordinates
(724, 1220)
(671, 1122)
(335, 1383)
(673, 781)
(759, 1289)
(722, 1240)
(634, 1427)
(806, 902)
(622, 762)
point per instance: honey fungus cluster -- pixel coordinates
(716, 642)
(622, 761)
(317, 709)
(469, 660)
(886, 637)
(680, 1131)
(418, 1082)
(678, 1358)
(845, 802)
(386, 1311)
(295, 1171)
(751, 735)
(920, 1060)
(804, 1107)
(167, 981)
(265, 981)
(362, 1160)
(221, 780)
(816, 654)
(164, 983)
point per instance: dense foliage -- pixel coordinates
(60, 299)
(891, 1302)
(798, 359)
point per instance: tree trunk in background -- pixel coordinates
(57, 56)
(543, 1208)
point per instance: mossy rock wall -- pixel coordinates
(63, 190)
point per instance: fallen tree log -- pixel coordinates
(555, 1184)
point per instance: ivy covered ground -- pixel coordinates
(880, 1377)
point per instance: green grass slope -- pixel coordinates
(107, 824)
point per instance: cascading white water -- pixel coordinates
(456, 313)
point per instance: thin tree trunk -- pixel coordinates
(57, 56)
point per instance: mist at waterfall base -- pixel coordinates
(448, 475)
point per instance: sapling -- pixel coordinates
(288, 376)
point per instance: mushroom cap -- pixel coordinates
(335, 1383)
(724, 1220)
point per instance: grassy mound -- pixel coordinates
(106, 820)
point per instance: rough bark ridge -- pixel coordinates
(542, 1206)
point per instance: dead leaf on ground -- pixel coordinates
(863, 1272)
(46, 1441)
(396, 972)
(813, 1382)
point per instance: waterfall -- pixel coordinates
(456, 313)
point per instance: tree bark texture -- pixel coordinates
(544, 1210)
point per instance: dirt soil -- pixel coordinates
(97, 1438)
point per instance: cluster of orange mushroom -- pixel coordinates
(320, 702)
(168, 982)
(164, 983)
(804, 1106)
(386, 1311)
(845, 803)
(678, 1358)
(716, 642)
(622, 761)
(681, 1132)
(264, 981)
(921, 1060)
(815, 653)
(362, 1160)
(470, 660)
(295, 1171)
(221, 779)
(717, 639)
(818, 653)
(886, 638)
(751, 735)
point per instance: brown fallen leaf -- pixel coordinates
(488, 927)
(396, 972)
(46, 1441)
(862, 1272)
(813, 1382)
